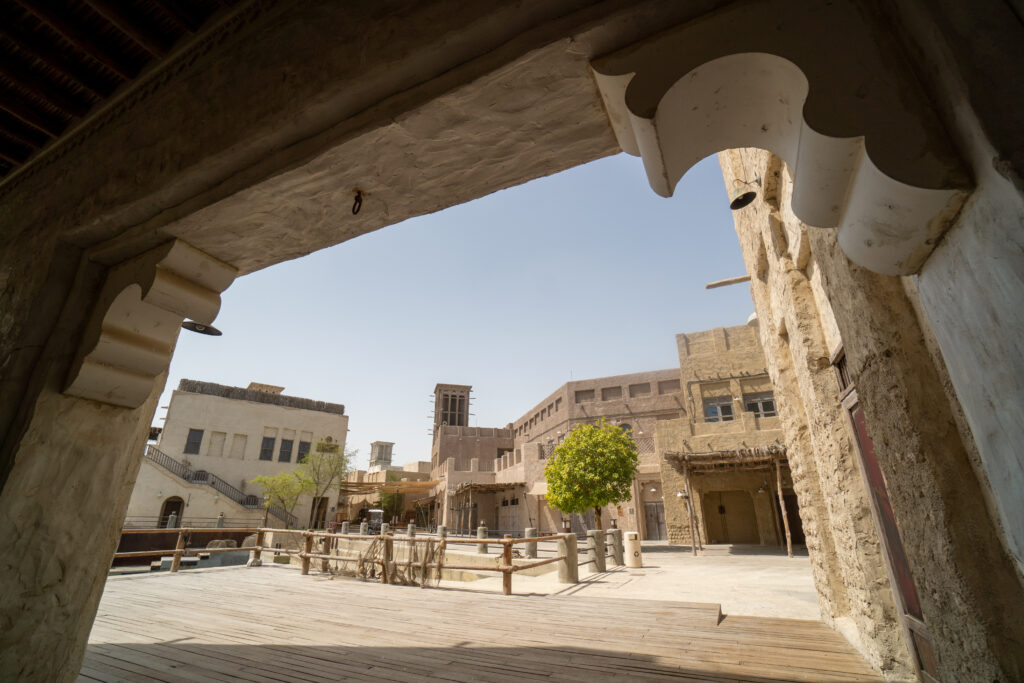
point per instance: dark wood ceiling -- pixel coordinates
(60, 59)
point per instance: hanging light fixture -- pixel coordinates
(742, 193)
(193, 326)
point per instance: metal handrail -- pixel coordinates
(248, 501)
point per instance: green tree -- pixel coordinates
(595, 466)
(325, 467)
(391, 503)
(284, 489)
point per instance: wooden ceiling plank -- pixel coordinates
(35, 48)
(31, 118)
(37, 86)
(180, 15)
(33, 141)
(62, 25)
(146, 38)
(14, 154)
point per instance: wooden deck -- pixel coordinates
(272, 624)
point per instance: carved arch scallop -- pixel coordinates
(818, 85)
(130, 337)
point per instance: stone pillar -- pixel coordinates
(531, 548)
(481, 533)
(568, 569)
(618, 556)
(172, 521)
(220, 521)
(411, 530)
(595, 551)
(364, 528)
(344, 527)
(442, 531)
(385, 529)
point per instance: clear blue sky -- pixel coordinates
(582, 274)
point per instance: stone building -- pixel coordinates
(380, 456)
(351, 507)
(269, 130)
(708, 457)
(215, 440)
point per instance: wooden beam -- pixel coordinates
(38, 87)
(12, 152)
(32, 46)
(782, 506)
(60, 23)
(145, 37)
(180, 15)
(41, 122)
(728, 281)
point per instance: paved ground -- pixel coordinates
(749, 580)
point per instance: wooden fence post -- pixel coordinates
(178, 551)
(389, 547)
(307, 548)
(568, 569)
(506, 559)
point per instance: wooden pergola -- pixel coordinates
(767, 457)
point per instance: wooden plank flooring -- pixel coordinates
(272, 624)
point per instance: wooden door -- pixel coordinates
(654, 521)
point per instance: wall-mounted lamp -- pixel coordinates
(742, 193)
(681, 494)
(193, 326)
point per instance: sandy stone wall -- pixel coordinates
(809, 296)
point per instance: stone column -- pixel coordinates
(364, 528)
(385, 529)
(411, 530)
(442, 531)
(531, 548)
(172, 521)
(481, 533)
(568, 569)
(595, 551)
(344, 527)
(220, 520)
(617, 553)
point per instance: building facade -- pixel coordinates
(216, 439)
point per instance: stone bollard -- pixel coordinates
(385, 529)
(595, 551)
(481, 532)
(568, 569)
(531, 548)
(618, 556)
(220, 521)
(344, 527)
(442, 531)
(172, 521)
(364, 528)
(412, 531)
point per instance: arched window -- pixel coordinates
(172, 506)
(627, 429)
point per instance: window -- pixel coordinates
(610, 393)
(718, 409)
(267, 448)
(558, 404)
(626, 429)
(584, 395)
(668, 386)
(303, 450)
(762, 405)
(194, 440)
(285, 454)
(639, 389)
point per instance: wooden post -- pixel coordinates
(258, 550)
(775, 517)
(692, 507)
(568, 569)
(782, 506)
(689, 508)
(307, 548)
(389, 548)
(423, 567)
(178, 550)
(506, 559)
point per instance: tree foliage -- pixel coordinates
(325, 466)
(391, 503)
(595, 466)
(284, 489)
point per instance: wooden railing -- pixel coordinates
(568, 569)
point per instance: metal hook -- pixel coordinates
(358, 203)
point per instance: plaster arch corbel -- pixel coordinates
(821, 86)
(130, 337)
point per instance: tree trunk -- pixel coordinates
(597, 517)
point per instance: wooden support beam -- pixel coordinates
(782, 506)
(179, 550)
(689, 508)
(31, 46)
(506, 559)
(60, 23)
(180, 15)
(145, 37)
(41, 122)
(38, 87)
(728, 281)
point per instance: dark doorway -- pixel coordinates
(318, 514)
(730, 517)
(172, 506)
(796, 527)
